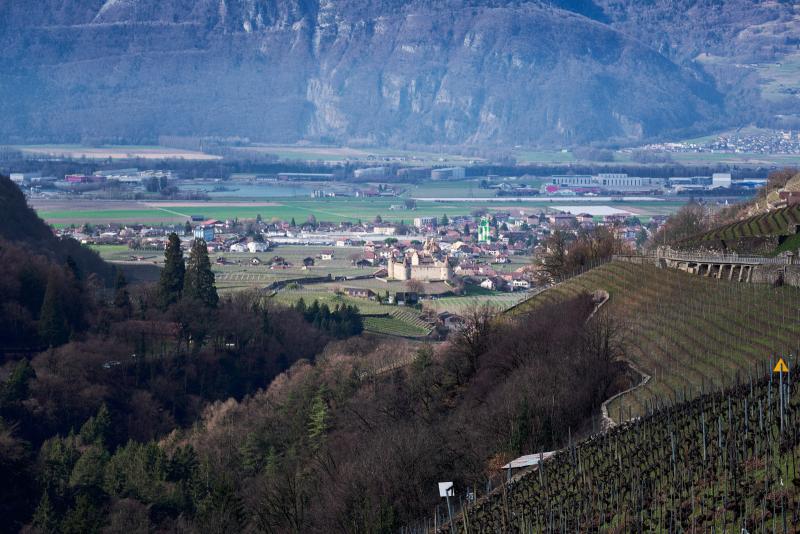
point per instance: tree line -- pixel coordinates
(344, 321)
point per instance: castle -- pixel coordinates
(427, 266)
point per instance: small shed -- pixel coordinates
(359, 292)
(407, 298)
(529, 461)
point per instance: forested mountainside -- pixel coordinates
(20, 225)
(382, 71)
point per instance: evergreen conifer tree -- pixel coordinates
(16, 387)
(53, 326)
(122, 299)
(97, 429)
(44, 519)
(318, 421)
(199, 281)
(171, 283)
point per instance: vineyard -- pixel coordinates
(462, 305)
(690, 334)
(780, 222)
(724, 462)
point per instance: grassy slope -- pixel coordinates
(686, 331)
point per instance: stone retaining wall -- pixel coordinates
(761, 274)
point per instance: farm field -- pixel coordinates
(373, 155)
(688, 333)
(462, 304)
(114, 152)
(240, 274)
(66, 212)
(379, 318)
(544, 156)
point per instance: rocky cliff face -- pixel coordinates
(382, 71)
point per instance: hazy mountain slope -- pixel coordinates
(750, 47)
(384, 71)
(684, 29)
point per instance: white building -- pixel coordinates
(22, 177)
(257, 246)
(721, 179)
(421, 222)
(238, 247)
(607, 180)
(371, 172)
(384, 229)
(488, 284)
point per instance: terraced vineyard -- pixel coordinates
(778, 222)
(724, 462)
(395, 326)
(460, 305)
(689, 333)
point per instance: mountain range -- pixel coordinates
(388, 72)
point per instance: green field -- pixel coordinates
(331, 210)
(240, 274)
(401, 321)
(372, 155)
(543, 156)
(108, 215)
(688, 332)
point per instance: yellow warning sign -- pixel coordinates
(781, 367)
